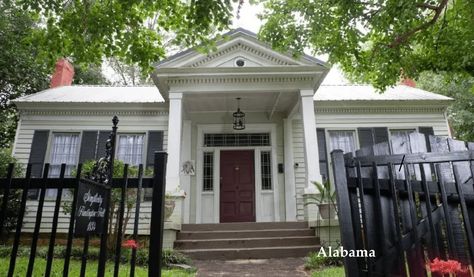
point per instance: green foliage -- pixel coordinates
(330, 272)
(20, 74)
(75, 267)
(133, 31)
(89, 75)
(461, 88)
(169, 257)
(14, 199)
(326, 195)
(374, 41)
(314, 262)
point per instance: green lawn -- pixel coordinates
(75, 268)
(329, 272)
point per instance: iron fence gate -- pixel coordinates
(102, 184)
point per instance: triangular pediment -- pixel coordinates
(238, 48)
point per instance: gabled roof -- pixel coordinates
(237, 40)
(349, 92)
(94, 94)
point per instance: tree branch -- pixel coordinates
(427, 6)
(405, 36)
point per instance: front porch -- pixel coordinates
(261, 173)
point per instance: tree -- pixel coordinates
(20, 73)
(89, 75)
(133, 31)
(457, 86)
(376, 41)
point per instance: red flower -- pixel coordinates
(130, 244)
(446, 267)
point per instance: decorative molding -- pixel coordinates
(368, 109)
(238, 79)
(92, 113)
(242, 47)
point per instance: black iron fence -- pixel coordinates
(94, 198)
(409, 207)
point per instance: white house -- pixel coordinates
(259, 174)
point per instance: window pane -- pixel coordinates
(208, 172)
(266, 170)
(343, 140)
(257, 139)
(130, 149)
(64, 150)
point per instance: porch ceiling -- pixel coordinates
(269, 102)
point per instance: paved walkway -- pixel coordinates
(269, 267)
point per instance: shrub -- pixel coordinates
(314, 261)
(14, 199)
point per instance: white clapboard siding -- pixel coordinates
(352, 121)
(64, 218)
(300, 171)
(73, 123)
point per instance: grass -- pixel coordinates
(21, 266)
(329, 272)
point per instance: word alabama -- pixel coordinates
(341, 252)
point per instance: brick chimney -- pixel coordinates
(408, 82)
(63, 74)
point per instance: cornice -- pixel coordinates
(239, 79)
(91, 113)
(381, 110)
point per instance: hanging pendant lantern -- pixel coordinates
(239, 117)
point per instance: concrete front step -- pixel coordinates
(250, 253)
(195, 235)
(246, 242)
(244, 226)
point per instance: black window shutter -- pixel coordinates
(323, 156)
(37, 156)
(366, 137)
(427, 131)
(155, 143)
(380, 134)
(88, 146)
(103, 137)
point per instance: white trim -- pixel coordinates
(200, 149)
(290, 184)
(310, 141)
(174, 143)
(186, 179)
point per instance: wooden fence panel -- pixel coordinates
(407, 209)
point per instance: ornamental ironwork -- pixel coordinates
(102, 172)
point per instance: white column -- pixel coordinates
(310, 141)
(290, 188)
(186, 179)
(174, 143)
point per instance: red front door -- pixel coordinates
(237, 195)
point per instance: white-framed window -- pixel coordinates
(344, 140)
(266, 169)
(208, 171)
(64, 150)
(130, 148)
